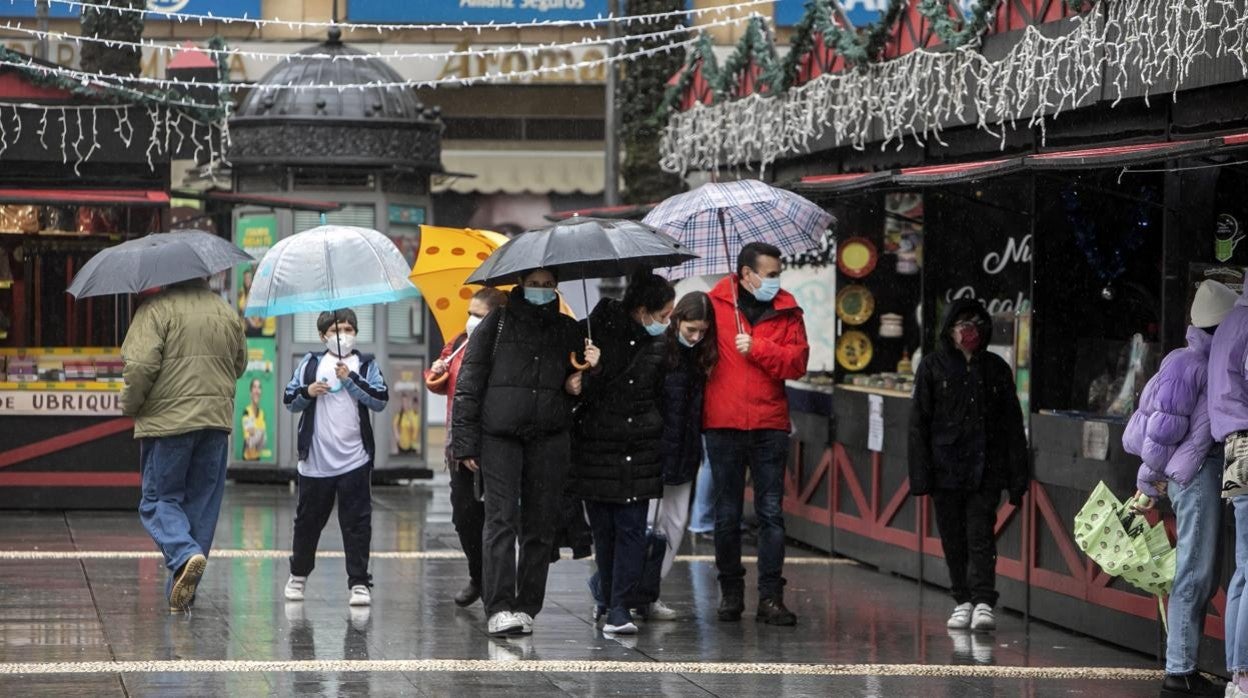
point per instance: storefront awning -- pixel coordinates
(1078, 159)
(257, 200)
(1119, 155)
(959, 172)
(85, 197)
(523, 172)
(632, 211)
(848, 182)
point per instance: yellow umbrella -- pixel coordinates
(445, 259)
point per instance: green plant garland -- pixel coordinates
(108, 92)
(755, 47)
(954, 33)
(703, 51)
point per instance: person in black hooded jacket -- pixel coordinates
(618, 433)
(511, 419)
(967, 444)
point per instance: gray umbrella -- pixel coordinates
(582, 248)
(156, 260)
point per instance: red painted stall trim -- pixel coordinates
(1081, 578)
(70, 479)
(65, 441)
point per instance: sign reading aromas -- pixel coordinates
(474, 11)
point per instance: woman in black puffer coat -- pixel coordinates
(619, 428)
(693, 351)
(512, 419)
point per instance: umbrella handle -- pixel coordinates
(435, 382)
(577, 364)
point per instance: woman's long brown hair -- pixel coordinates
(695, 306)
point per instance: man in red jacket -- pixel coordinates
(762, 343)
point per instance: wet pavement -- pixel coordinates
(82, 613)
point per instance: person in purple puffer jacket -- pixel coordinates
(1170, 432)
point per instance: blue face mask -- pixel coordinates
(656, 328)
(684, 342)
(539, 296)
(768, 290)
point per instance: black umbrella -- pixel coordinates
(582, 248)
(156, 260)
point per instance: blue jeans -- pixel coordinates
(1236, 616)
(183, 481)
(702, 520)
(1198, 518)
(620, 552)
(765, 452)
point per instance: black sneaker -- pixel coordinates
(773, 612)
(731, 606)
(468, 595)
(1193, 684)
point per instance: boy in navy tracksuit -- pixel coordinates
(333, 391)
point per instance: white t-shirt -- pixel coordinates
(337, 444)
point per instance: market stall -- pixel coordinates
(1084, 237)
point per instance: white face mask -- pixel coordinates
(473, 322)
(340, 344)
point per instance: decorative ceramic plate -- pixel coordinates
(854, 351)
(856, 257)
(854, 304)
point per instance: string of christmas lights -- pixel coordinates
(527, 49)
(1134, 48)
(589, 23)
(518, 75)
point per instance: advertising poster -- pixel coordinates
(255, 405)
(255, 235)
(403, 414)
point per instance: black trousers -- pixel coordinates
(524, 481)
(468, 515)
(966, 520)
(353, 491)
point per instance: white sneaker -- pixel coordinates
(360, 596)
(526, 623)
(961, 617)
(294, 588)
(629, 628)
(983, 618)
(504, 623)
(661, 611)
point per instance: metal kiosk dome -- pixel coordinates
(374, 127)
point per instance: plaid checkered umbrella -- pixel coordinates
(716, 220)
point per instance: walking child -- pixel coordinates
(333, 391)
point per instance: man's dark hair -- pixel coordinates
(492, 297)
(750, 253)
(328, 319)
(648, 290)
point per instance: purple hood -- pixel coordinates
(1228, 380)
(1170, 429)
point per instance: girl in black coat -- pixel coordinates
(693, 352)
(619, 427)
(512, 420)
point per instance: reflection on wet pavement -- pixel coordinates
(82, 613)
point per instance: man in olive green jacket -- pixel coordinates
(184, 353)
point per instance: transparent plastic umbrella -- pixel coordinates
(328, 268)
